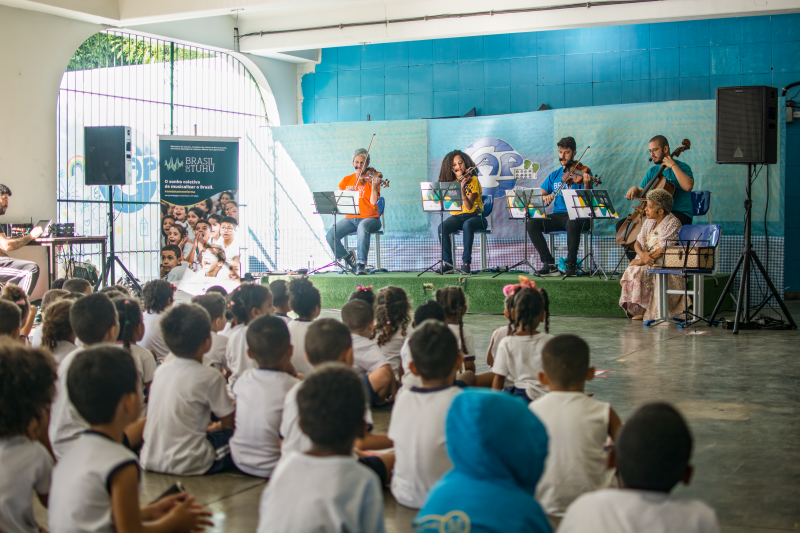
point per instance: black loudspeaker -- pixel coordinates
(747, 125)
(107, 150)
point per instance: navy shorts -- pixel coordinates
(222, 458)
(519, 393)
(374, 399)
(376, 465)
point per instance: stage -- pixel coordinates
(582, 296)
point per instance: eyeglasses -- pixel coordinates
(655, 150)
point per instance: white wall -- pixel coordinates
(281, 77)
(37, 48)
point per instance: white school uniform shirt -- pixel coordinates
(63, 349)
(176, 274)
(183, 395)
(25, 467)
(391, 351)
(152, 339)
(230, 251)
(36, 337)
(636, 511)
(367, 355)
(498, 335)
(308, 493)
(469, 341)
(80, 499)
(417, 430)
(226, 331)
(409, 379)
(256, 444)
(216, 355)
(297, 332)
(519, 360)
(577, 429)
(236, 358)
(283, 317)
(66, 425)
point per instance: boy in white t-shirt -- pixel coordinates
(10, 320)
(96, 484)
(157, 297)
(260, 393)
(306, 301)
(325, 489)
(429, 310)
(418, 418)
(179, 437)
(214, 303)
(27, 379)
(578, 426)
(368, 359)
(651, 455)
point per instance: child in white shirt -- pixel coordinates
(325, 489)
(57, 333)
(179, 438)
(652, 455)
(96, 484)
(157, 297)
(418, 418)
(392, 317)
(25, 464)
(214, 303)
(50, 297)
(578, 426)
(369, 361)
(246, 303)
(280, 299)
(131, 331)
(306, 302)
(260, 393)
(173, 267)
(519, 356)
(454, 302)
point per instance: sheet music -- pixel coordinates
(515, 200)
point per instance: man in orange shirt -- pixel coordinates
(366, 222)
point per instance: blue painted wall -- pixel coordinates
(519, 72)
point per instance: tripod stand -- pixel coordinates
(744, 319)
(434, 195)
(113, 258)
(334, 203)
(591, 204)
(520, 202)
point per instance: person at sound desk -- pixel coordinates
(16, 271)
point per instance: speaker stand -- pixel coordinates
(112, 258)
(744, 320)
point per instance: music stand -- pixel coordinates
(438, 197)
(524, 204)
(336, 203)
(591, 204)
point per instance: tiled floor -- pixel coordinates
(741, 395)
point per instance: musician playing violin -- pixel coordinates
(367, 181)
(559, 219)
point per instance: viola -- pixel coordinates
(629, 232)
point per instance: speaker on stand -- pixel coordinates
(747, 134)
(107, 152)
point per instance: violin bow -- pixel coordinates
(366, 158)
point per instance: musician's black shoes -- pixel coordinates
(549, 271)
(570, 273)
(350, 260)
(446, 270)
(361, 269)
(466, 269)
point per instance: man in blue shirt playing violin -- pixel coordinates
(559, 219)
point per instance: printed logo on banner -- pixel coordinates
(496, 161)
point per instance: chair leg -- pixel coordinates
(484, 252)
(453, 248)
(378, 251)
(586, 251)
(553, 247)
(663, 297)
(699, 294)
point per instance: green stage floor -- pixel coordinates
(580, 296)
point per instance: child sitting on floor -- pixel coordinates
(498, 449)
(173, 267)
(365, 294)
(260, 393)
(247, 302)
(57, 333)
(280, 299)
(502, 332)
(330, 341)
(306, 302)
(652, 455)
(77, 286)
(368, 360)
(417, 424)
(178, 437)
(578, 426)
(325, 489)
(96, 485)
(214, 303)
(156, 299)
(10, 320)
(16, 295)
(519, 356)
(27, 385)
(50, 297)
(454, 302)
(131, 331)
(392, 316)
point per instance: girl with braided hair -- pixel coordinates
(454, 302)
(57, 334)
(519, 355)
(131, 331)
(392, 316)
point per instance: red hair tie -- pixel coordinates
(363, 288)
(524, 283)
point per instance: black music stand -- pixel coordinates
(336, 203)
(434, 197)
(589, 203)
(520, 203)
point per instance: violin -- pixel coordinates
(573, 169)
(629, 232)
(371, 172)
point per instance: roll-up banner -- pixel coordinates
(201, 173)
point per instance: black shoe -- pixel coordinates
(361, 269)
(446, 270)
(350, 260)
(549, 270)
(466, 269)
(571, 273)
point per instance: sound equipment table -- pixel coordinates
(52, 242)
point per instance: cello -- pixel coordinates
(629, 231)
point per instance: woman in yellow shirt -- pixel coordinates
(470, 218)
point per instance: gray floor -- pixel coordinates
(740, 394)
